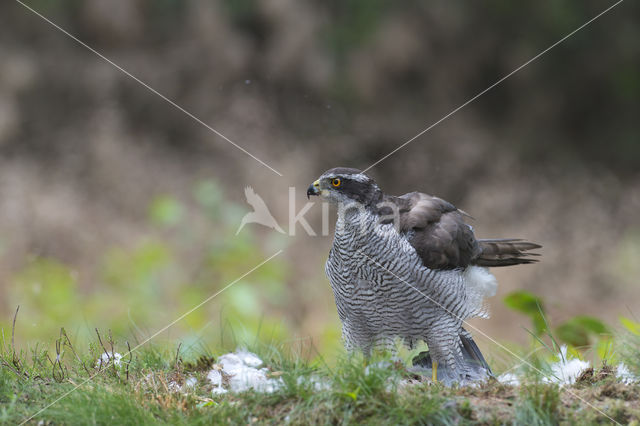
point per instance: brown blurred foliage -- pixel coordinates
(551, 155)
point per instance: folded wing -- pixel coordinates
(437, 231)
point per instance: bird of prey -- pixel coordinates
(408, 267)
(260, 213)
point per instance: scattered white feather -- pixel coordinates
(191, 382)
(215, 378)
(241, 369)
(625, 376)
(173, 386)
(248, 358)
(566, 371)
(563, 372)
(319, 384)
(405, 383)
(315, 381)
(218, 391)
(382, 365)
(105, 358)
(509, 379)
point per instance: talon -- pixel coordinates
(434, 371)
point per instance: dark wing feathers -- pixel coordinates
(506, 252)
(425, 209)
(437, 231)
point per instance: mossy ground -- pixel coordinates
(149, 388)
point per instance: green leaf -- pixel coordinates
(523, 301)
(572, 334)
(604, 349)
(579, 330)
(591, 323)
(353, 395)
(632, 326)
(530, 305)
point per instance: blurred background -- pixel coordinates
(120, 212)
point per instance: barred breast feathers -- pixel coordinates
(477, 282)
(381, 246)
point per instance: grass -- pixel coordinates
(141, 391)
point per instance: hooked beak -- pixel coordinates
(314, 189)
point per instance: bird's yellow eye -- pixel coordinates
(336, 182)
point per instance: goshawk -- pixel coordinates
(408, 267)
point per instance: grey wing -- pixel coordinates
(437, 231)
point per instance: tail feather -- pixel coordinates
(475, 367)
(471, 352)
(506, 252)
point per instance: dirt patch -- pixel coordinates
(619, 391)
(204, 363)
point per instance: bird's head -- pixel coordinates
(345, 185)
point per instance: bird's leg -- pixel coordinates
(434, 371)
